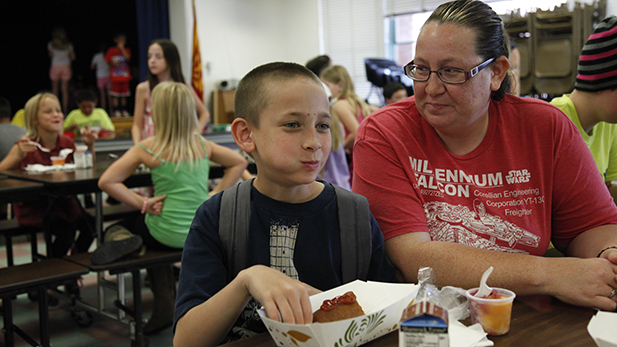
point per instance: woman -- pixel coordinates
(464, 176)
(163, 65)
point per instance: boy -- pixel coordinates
(87, 114)
(9, 133)
(394, 92)
(295, 250)
(118, 58)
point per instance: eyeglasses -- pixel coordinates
(447, 74)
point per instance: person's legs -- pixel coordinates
(163, 286)
(55, 84)
(65, 96)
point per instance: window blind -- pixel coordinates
(353, 30)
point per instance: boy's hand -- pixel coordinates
(284, 299)
(88, 136)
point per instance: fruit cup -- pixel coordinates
(492, 312)
(57, 160)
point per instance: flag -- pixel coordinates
(196, 77)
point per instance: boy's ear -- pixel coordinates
(242, 132)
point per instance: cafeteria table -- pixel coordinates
(537, 320)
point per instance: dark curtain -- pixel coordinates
(152, 23)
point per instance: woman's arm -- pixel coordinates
(348, 118)
(233, 162)
(138, 113)
(277, 292)
(204, 115)
(112, 180)
(584, 282)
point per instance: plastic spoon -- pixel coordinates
(46, 150)
(65, 152)
(484, 289)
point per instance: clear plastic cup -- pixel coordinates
(57, 160)
(493, 314)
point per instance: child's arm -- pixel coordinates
(202, 111)
(112, 182)
(19, 151)
(106, 121)
(138, 113)
(348, 118)
(233, 162)
(208, 323)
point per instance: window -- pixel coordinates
(404, 19)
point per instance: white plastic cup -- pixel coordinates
(493, 314)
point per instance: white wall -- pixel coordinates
(237, 35)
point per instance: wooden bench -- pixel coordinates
(39, 275)
(130, 264)
(10, 228)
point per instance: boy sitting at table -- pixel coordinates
(88, 114)
(283, 121)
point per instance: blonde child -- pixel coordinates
(43, 118)
(179, 160)
(163, 65)
(346, 105)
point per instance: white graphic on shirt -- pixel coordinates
(282, 244)
(457, 223)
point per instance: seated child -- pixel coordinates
(179, 160)
(394, 92)
(295, 250)
(43, 119)
(87, 114)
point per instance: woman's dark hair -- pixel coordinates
(491, 38)
(172, 57)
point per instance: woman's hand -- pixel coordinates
(585, 282)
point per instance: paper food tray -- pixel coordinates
(383, 304)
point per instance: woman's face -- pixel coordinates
(452, 108)
(156, 59)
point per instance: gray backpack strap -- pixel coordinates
(234, 225)
(355, 228)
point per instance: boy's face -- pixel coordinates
(293, 140)
(397, 96)
(87, 107)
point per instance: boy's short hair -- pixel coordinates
(318, 63)
(5, 108)
(253, 92)
(85, 95)
(390, 88)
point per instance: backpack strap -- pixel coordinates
(234, 225)
(355, 228)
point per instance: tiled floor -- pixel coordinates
(65, 332)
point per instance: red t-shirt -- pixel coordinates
(119, 70)
(31, 213)
(530, 181)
